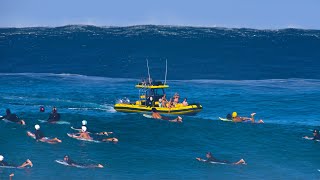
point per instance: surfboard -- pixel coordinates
(10, 167)
(75, 165)
(310, 138)
(6, 121)
(82, 139)
(212, 162)
(147, 115)
(13, 167)
(66, 164)
(225, 119)
(56, 122)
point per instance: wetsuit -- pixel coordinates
(316, 137)
(3, 163)
(11, 117)
(212, 159)
(70, 162)
(54, 117)
(38, 134)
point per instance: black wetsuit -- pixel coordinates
(316, 137)
(70, 162)
(3, 163)
(11, 117)
(38, 134)
(212, 159)
(54, 117)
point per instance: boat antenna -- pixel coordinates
(165, 77)
(148, 72)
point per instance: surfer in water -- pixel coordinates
(156, 115)
(54, 116)
(41, 109)
(12, 117)
(3, 163)
(211, 159)
(236, 118)
(85, 135)
(70, 162)
(39, 136)
(84, 123)
(316, 135)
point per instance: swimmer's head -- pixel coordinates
(8, 111)
(179, 119)
(41, 109)
(54, 109)
(66, 157)
(84, 122)
(1, 158)
(234, 114)
(315, 131)
(154, 110)
(83, 129)
(37, 127)
(209, 154)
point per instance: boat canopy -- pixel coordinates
(155, 85)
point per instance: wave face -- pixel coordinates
(192, 53)
(85, 70)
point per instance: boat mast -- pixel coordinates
(165, 77)
(148, 72)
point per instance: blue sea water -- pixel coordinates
(84, 70)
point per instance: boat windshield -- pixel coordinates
(155, 93)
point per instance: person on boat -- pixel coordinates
(185, 103)
(26, 163)
(212, 159)
(176, 98)
(54, 116)
(41, 109)
(156, 115)
(169, 104)
(316, 135)
(149, 102)
(160, 102)
(236, 118)
(70, 162)
(164, 101)
(40, 136)
(12, 117)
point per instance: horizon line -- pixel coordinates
(164, 25)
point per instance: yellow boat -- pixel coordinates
(146, 103)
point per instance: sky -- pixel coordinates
(258, 14)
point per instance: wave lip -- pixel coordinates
(162, 30)
(70, 76)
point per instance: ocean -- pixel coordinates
(85, 70)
